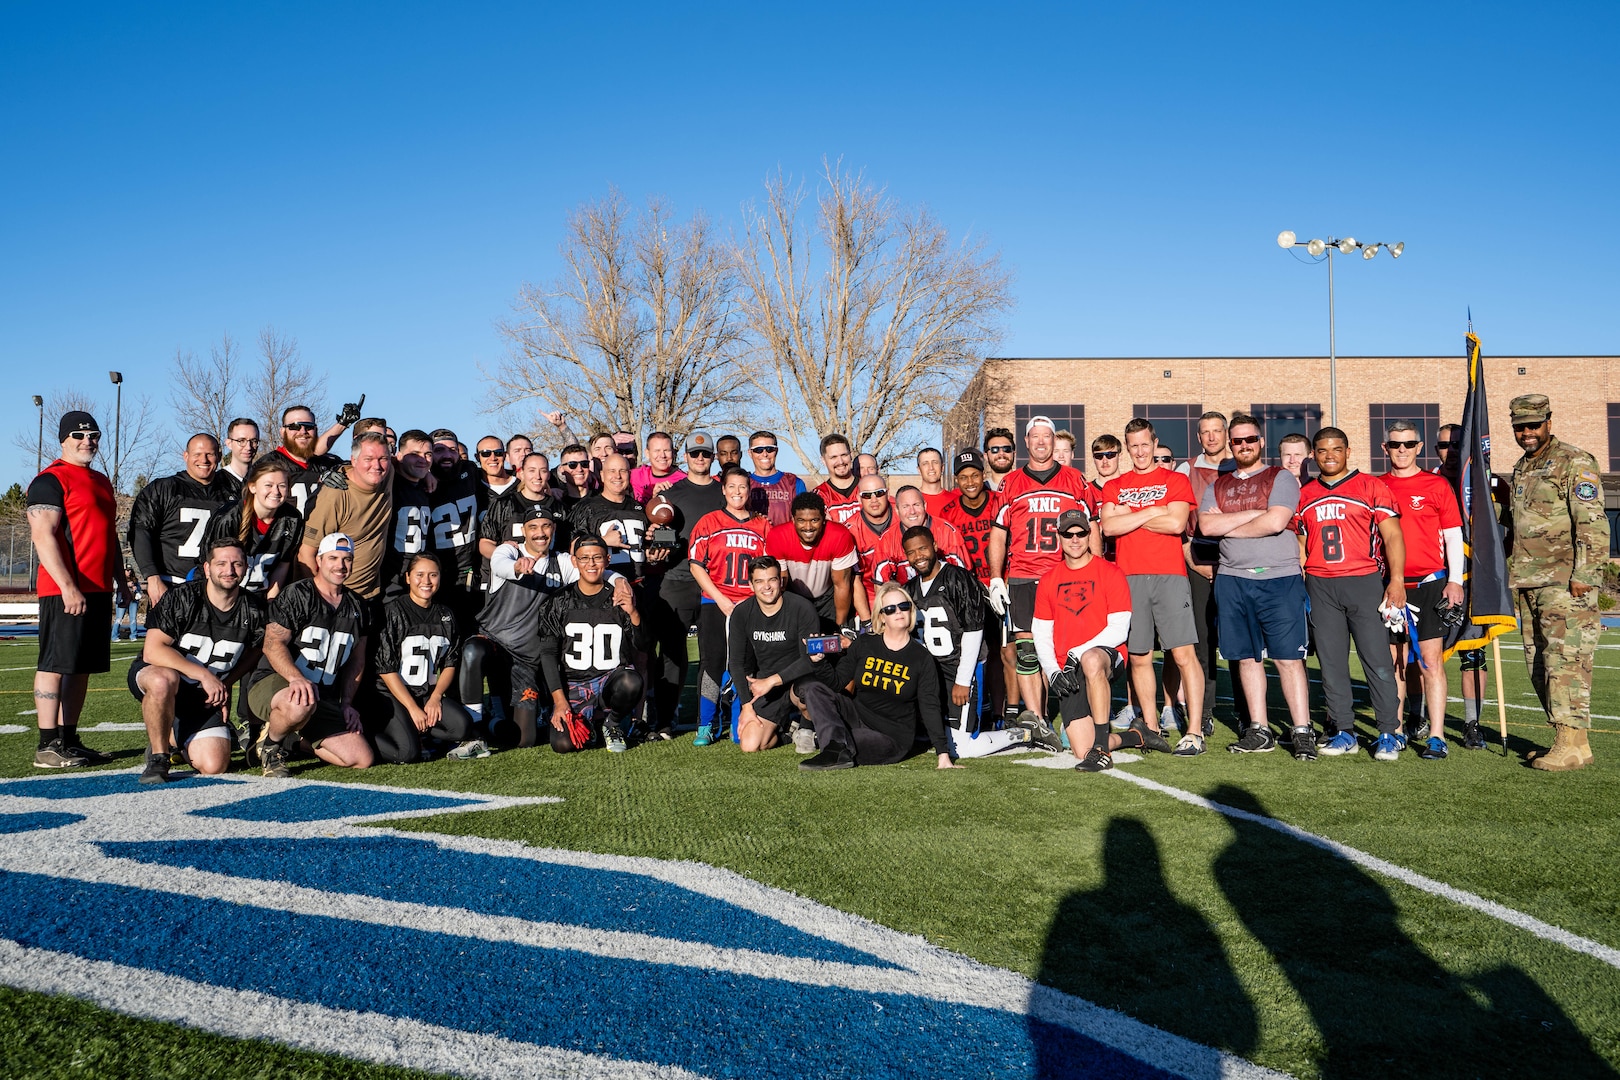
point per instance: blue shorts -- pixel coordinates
(1262, 617)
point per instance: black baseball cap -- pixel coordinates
(75, 421)
(967, 459)
(542, 513)
(1070, 519)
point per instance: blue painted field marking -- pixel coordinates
(330, 802)
(44, 819)
(95, 784)
(534, 961)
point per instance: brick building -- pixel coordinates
(1092, 395)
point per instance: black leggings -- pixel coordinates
(512, 678)
(399, 743)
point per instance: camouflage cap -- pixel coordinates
(1530, 408)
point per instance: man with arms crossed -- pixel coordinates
(773, 489)
(1258, 588)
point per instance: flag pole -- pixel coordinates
(1501, 701)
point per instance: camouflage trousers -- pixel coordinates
(1560, 634)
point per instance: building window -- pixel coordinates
(1425, 417)
(1277, 421)
(1175, 425)
(1071, 418)
(1614, 436)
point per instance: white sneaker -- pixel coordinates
(1170, 718)
(472, 748)
(804, 739)
(1122, 719)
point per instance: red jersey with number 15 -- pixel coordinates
(1340, 525)
(725, 548)
(1029, 512)
(975, 526)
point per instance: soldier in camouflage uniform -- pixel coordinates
(1560, 543)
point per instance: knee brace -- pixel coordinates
(622, 691)
(1029, 661)
(470, 673)
(1473, 660)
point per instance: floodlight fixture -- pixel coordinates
(1347, 245)
(1316, 247)
(1285, 239)
(1369, 251)
(1396, 249)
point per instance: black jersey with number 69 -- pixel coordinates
(323, 636)
(276, 546)
(953, 605)
(408, 533)
(168, 522)
(218, 640)
(584, 636)
(456, 505)
(417, 644)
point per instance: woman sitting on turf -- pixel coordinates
(893, 682)
(416, 653)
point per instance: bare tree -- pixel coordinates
(139, 441)
(884, 334)
(203, 393)
(283, 379)
(643, 332)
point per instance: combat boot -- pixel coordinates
(1565, 753)
(1581, 744)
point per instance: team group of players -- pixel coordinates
(419, 598)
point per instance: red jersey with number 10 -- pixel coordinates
(1428, 507)
(725, 548)
(1340, 525)
(1029, 512)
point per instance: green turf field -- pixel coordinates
(1217, 929)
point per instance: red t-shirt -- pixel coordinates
(841, 506)
(725, 548)
(89, 516)
(1078, 602)
(1427, 505)
(1030, 508)
(975, 526)
(1340, 525)
(937, 503)
(810, 569)
(1142, 551)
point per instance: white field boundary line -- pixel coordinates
(373, 1037)
(1528, 923)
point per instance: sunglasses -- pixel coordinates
(890, 609)
(700, 453)
(998, 449)
(874, 494)
(302, 425)
(491, 453)
(1403, 444)
(575, 464)
(1105, 455)
(1074, 534)
(1444, 445)
(1163, 460)
(1245, 440)
(762, 449)
(79, 436)
(1528, 427)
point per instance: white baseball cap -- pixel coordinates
(1039, 421)
(335, 542)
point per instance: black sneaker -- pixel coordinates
(1304, 744)
(1151, 740)
(1417, 728)
(1255, 740)
(1041, 735)
(827, 759)
(157, 769)
(91, 757)
(53, 755)
(1473, 738)
(1096, 760)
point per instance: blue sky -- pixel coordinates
(378, 180)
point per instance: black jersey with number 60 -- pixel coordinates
(218, 640)
(584, 636)
(952, 606)
(276, 546)
(323, 636)
(168, 522)
(416, 643)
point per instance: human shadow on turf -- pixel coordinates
(1131, 945)
(1383, 1006)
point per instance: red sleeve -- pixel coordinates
(1001, 515)
(1043, 599)
(839, 540)
(1382, 499)
(698, 547)
(1180, 490)
(1117, 593)
(1450, 514)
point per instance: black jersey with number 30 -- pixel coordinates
(952, 606)
(218, 640)
(584, 636)
(416, 643)
(323, 636)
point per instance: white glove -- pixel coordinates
(1394, 618)
(999, 597)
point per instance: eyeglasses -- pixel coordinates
(998, 449)
(1163, 460)
(1104, 455)
(491, 453)
(762, 449)
(301, 425)
(245, 442)
(1528, 427)
(1245, 440)
(890, 609)
(1403, 444)
(93, 436)
(874, 494)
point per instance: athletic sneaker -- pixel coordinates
(272, 756)
(1400, 740)
(91, 757)
(472, 748)
(1170, 718)
(662, 734)
(1256, 739)
(1122, 719)
(1342, 743)
(1387, 748)
(1433, 750)
(1304, 743)
(1473, 739)
(1096, 760)
(1151, 740)
(704, 736)
(804, 738)
(53, 755)
(1189, 746)
(1417, 728)
(826, 760)
(1041, 735)
(157, 769)
(613, 734)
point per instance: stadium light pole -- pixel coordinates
(39, 463)
(118, 426)
(1318, 250)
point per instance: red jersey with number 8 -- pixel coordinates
(1030, 507)
(1340, 525)
(725, 548)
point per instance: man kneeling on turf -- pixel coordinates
(766, 645)
(1083, 618)
(200, 638)
(311, 693)
(591, 634)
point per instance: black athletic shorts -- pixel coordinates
(326, 722)
(76, 644)
(192, 713)
(1078, 706)
(1021, 603)
(1421, 600)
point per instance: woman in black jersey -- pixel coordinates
(265, 523)
(416, 652)
(893, 683)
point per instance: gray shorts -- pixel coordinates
(1162, 604)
